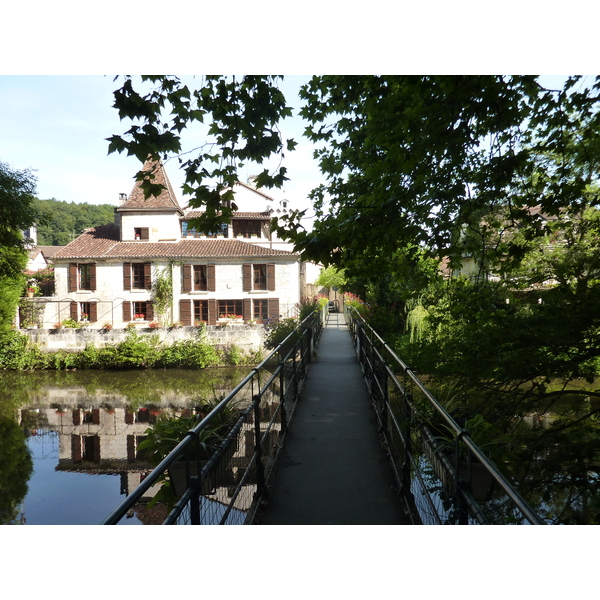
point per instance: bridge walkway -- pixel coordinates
(332, 469)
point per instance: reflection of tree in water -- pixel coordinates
(17, 467)
(139, 386)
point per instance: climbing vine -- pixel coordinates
(162, 293)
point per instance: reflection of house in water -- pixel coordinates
(105, 440)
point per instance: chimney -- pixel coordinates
(122, 198)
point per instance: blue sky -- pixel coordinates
(58, 126)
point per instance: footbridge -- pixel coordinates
(332, 429)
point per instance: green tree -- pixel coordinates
(63, 221)
(331, 277)
(17, 213)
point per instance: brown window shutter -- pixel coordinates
(128, 417)
(96, 416)
(93, 277)
(76, 417)
(212, 312)
(187, 278)
(126, 310)
(96, 451)
(148, 276)
(185, 312)
(72, 277)
(73, 310)
(247, 270)
(211, 278)
(126, 276)
(271, 277)
(144, 233)
(93, 312)
(274, 309)
(247, 309)
(76, 448)
(130, 448)
(149, 311)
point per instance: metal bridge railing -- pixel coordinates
(228, 487)
(445, 478)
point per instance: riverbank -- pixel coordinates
(248, 338)
(131, 348)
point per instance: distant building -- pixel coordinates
(108, 273)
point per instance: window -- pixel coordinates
(258, 277)
(246, 228)
(230, 307)
(132, 310)
(85, 277)
(200, 311)
(140, 308)
(187, 231)
(260, 311)
(141, 233)
(137, 276)
(82, 276)
(84, 311)
(200, 278)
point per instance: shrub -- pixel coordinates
(71, 324)
(277, 333)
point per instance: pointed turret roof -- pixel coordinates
(166, 200)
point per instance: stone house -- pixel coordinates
(109, 273)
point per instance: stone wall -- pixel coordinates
(248, 338)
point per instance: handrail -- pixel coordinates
(461, 435)
(310, 328)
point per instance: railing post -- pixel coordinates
(260, 468)
(358, 326)
(310, 343)
(195, 502)
(406, 465)
(282, 393)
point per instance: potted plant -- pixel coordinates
(108, 326)
(154, 325)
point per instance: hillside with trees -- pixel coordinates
(61, 222)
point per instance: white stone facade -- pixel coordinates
(110, 271)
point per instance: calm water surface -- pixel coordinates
(81, 430)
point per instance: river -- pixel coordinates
(81, 430)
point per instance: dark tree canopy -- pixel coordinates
(405, 159)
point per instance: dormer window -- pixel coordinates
(141, 233)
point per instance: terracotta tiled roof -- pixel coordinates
(165, 200)
(263, 216)
(256, 190)
(91, 243)
(103, 243)
(50, 251)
